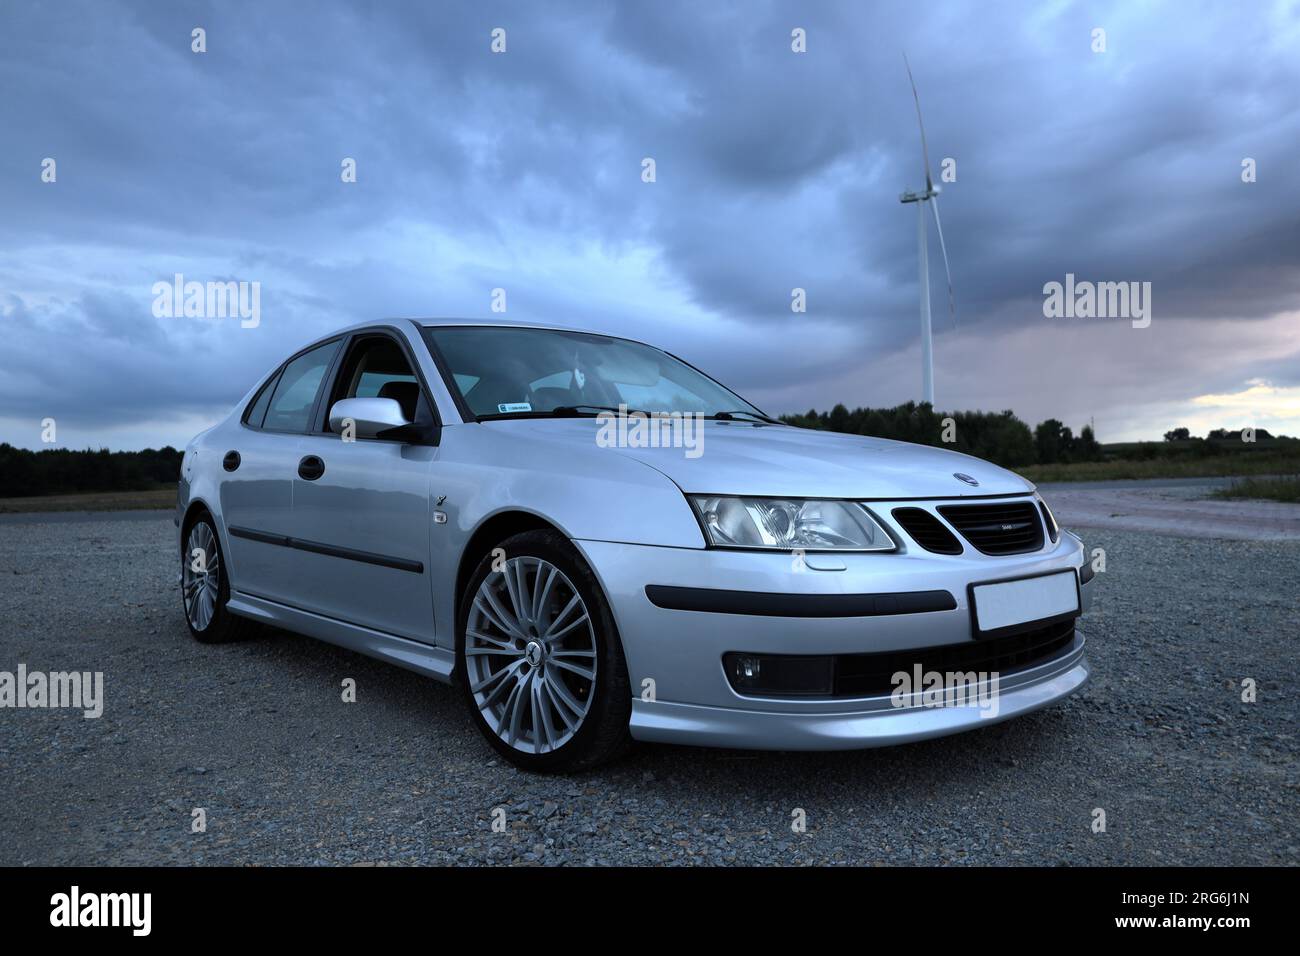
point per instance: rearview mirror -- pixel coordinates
(369, 417)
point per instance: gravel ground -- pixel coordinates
(257, 735)
(1183, 511)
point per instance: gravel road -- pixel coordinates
(1180, 508)
(257, 735)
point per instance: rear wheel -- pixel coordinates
(542, 666)
(205, 590)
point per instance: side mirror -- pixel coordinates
(370, 417)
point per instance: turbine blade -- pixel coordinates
(925, 153)
(952, 307)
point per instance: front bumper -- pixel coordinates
(873, 722)
(674, 657)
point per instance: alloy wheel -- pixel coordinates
(200, 576)
(530, 655)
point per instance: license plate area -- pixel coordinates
(1012, 605)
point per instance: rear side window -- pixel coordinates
(257, 410)
(295, 393)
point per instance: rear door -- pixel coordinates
(259, 471)
(361, 510)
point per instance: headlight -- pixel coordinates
(1049, 519)
(786, 524)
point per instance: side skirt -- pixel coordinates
(435, 662)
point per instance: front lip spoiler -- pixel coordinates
(766, 604)
(852, 726)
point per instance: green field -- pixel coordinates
(1217, 466)
(163, 497)
(1259, 469)
(1282, 488)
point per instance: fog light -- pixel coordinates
(779, 675)
(746, 668)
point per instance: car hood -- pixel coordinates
(738, 458)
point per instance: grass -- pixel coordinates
(1216, 466)
(162, 497)
(1258, 472)
(1282, 488)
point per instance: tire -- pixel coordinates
(205, 587)
(545, 681)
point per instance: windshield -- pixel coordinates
(503, 372)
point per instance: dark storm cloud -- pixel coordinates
(775, 170)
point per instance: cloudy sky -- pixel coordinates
(774, 170)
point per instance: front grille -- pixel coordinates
(871, 675)
(927, 530)
(1049, 522)
(998, 529)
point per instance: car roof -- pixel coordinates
(437, 323)
(443, 323)
(505, 324)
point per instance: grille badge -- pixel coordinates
(966, 478)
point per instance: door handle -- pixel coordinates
(231, 461)
(310, 468)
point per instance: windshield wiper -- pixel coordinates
(582, 411)
(563, 411)
(731, 416)
(574, 410)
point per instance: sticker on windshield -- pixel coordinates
(508, 407)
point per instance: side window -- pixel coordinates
(257, 410)
(377, 368)
(295, 393)
(372, 383)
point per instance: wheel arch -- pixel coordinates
(192, 511)
(492, 530)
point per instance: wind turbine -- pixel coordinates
(931, 196)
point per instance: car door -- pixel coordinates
(361, 510)
(258, 473)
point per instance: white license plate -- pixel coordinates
(1009, 603)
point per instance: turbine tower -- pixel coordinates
(930, 196)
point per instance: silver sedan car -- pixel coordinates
(598, 543)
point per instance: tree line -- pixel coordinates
(55, 471)
(999, 437)
(1004, 439)
(1219, 435)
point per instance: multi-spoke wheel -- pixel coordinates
(530, 655)
(542, 665)
(204, 589)
(200, 576)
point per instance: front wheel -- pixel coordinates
(541, 663)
